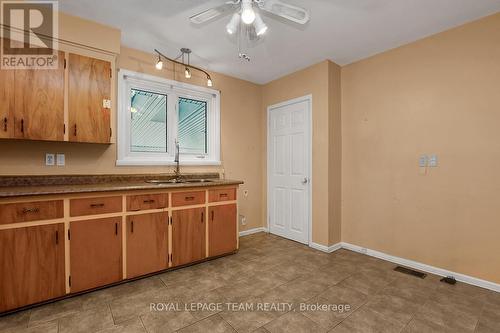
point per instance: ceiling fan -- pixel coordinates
(245, 12)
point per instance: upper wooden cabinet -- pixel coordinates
(88, 92)
(6, 103)
(39, 103)
(31, 265)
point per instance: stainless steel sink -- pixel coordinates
(178, 181)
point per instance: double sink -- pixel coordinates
(179, 181)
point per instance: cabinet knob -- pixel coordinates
(75, 131)
(22, 125)
(5, 120)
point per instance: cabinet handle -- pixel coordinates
(57, 237)
(5, 120)
(22, 125)
(132, 227)
(31, 210)
(212, 215)
(202, 215)
(189, 198)
(116, 229)
(150, 201)
(99, 205)
(223, 195)
(75, 131)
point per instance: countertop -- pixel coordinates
(107, 186)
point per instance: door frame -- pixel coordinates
(270, 108)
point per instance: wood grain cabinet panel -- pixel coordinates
(188, 235)
(95, 253)
(222, 237)
(89, 85)
(6, 104)
(147, 201)
(188, 198)
(94, 206)
(225, 194)
(147, 244)
(39, 103)
(31, 211)
(31, 265)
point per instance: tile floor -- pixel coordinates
(269, 270)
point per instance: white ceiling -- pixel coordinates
(341, 30)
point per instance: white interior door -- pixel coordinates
(289, 156)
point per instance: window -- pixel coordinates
(154, 113)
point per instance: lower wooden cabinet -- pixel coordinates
(147, 244)
(188, 236)
(222, 229)
(31, 265)
(95, 253)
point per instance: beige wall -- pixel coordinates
(315, 81)
(440, 95)
(240, 121)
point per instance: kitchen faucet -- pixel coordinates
(176, 160)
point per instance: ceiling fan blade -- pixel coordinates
(212, 13)
(290, 12)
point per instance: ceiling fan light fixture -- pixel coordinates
(247, 12)
(187, 73)
(232, 26)
(260, 26)
(209, 82)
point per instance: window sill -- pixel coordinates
(130, 162)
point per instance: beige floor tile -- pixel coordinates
(166, 321)
(47, 327)
(131, 326)
(393, 308)
(447, 316)
(293, 322)
(85, 321)
(366, 284)
(365, 320)
(213, 324)
(248, 321)
(425, 326)
(56, 310)
(19, 319)
(325, 317)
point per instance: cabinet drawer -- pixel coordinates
(94, 206)
(31, 211)
(226, 194)
(188, 198)
(147, 201)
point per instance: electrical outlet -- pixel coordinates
(243, 220)
(50, 159)
(433, 161)
(61, 160)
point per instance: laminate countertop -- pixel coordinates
(13, 186)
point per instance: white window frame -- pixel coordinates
(128, 80)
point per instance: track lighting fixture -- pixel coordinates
(187, 66)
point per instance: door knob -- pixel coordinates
(305, 180)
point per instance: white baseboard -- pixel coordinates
(324, 248)
(252, 231)
(423, 267)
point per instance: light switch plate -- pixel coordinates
(422, 161)
(50, 159)
(61, 160)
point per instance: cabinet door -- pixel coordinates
(222, 230)
(188, 236)
(89, 86)
(95, 253)
(39, 103)
(147, 244)
(6, 103)
(31, 265)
